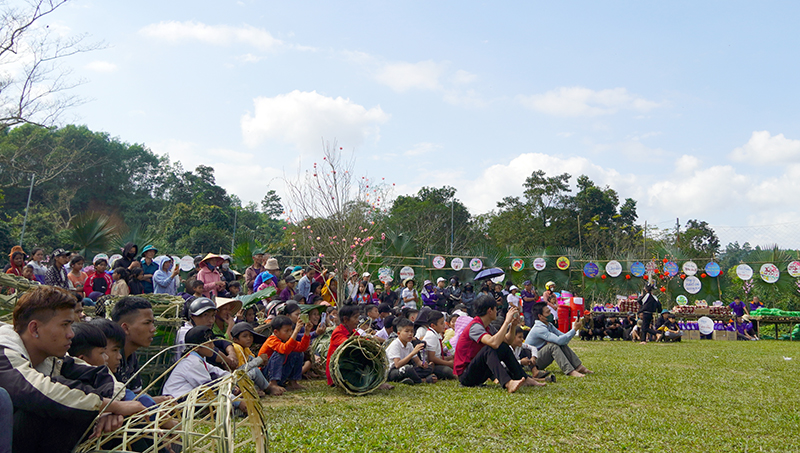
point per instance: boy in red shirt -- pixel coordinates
(99, 281)
(285, 355)
(348, 317)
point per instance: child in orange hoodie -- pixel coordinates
(285, 355)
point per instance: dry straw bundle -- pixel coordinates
(359, 366)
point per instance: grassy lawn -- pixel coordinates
(691, 396)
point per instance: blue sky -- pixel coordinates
(687, 107)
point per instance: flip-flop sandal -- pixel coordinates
(429, 379)
(551, 378)
(542, 374)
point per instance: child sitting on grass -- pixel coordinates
(441, 363)
(404, 364)
(244, 336)
(285, 355)
(388, 329)
(526, 356)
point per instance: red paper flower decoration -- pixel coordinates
(603, 277)
(665, 260)
(628, 277)
(663, 290)
(703, 275)
(683, 276)
(720, 273)
(645, 277)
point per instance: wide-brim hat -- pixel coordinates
(147, 248)
(405, 282)
(211, 256)
(240, 327)
(235, 304)
(272, 264)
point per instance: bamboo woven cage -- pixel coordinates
(359, 366)
(206, 423)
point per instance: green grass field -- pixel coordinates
(690, 396)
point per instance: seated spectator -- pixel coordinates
(244, 336)
(627, 326)
(434, 348)
(388, 329)
(526, 355)
(203, 312)
(744, 330)
(404, 364)
(480, 354)
(587, 327)
(57, 402)
(552, 345)
(669, 330)
(348, 321)
(285, 365)
(613, 328)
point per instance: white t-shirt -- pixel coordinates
(420, 333)
(409, 293)
(513, 301)
(433, 343)
(396, 350)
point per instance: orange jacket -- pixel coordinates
(274, 344)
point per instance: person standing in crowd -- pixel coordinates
(388, 296)
(129, 252)
(253, 271)
(77, 276)
(225, 270)
(39, 269)
(166, 279)
(56, 274)
(99, 281)
(208, 274)
(441, 294)
(648, 306)
(468, 298)
(148, 267)
(453, 293)
(529, 297)
(17, 263)
(410, 295)
(552, 345)
(738, 307)
(756, 304)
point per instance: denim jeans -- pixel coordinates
(282, 368)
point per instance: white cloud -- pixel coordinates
(462, 77)
(422, 148)
(403, 76)
(580, 101)
(221, 35)
(764, 148)
(303, 119)
(101, 66)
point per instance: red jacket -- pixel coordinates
(88, 285)
(339, 335)
(467, 348)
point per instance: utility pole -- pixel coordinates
(644, 241)
(25, 219)
(580, 241)
(452, 231)
(233, 239)
(677, 229)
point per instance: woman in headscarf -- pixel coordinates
(56, 274)
(17, 259)
(208, 274)
(330, 292)
(129, 252)
(166, 279)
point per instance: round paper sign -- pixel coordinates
(539, 264)
(681, 300)
(637, 269)
(562, 263)
(100, 256)
(717, 303)
(712, 269)
(794, 268)
(517, 265)
(744, 272)
(406, 273)
(113, 259)
(475, 264)
(689, 268)
(770, 273)
(457, 264)
(613, 268)
(187, 263)
(591, 270)
(651, 267)
(692, 284)
(671, 268)
(385, 274)
(438, 261)
(705, 325)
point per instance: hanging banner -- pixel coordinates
(591, 270)
(692, 284)
(770, 273)
(794, 269)
(614, 268)
(517, 265)
(475, 264)
(689, 268)
(457, 264)
(671, 268)
(439, 262)
(406, 273)
(562, 263)
(712, 269)
(637, 269)
(539, 264)
(744, 272)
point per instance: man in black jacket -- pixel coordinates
(648, 305)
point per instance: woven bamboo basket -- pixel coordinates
(359, 366)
